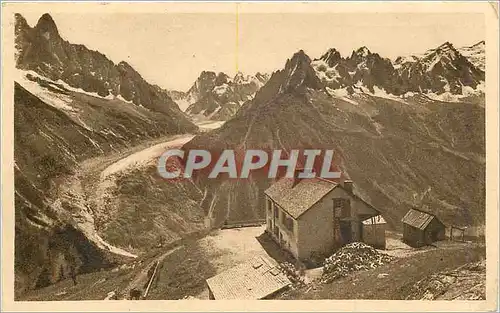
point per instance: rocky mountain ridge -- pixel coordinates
(216, 96)
(440, 70)
(42, 50)
(476, 54)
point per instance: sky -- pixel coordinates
(171, 49)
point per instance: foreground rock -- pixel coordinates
(467, 282)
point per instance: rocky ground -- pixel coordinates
(355, 256)
(467, 282)
(397, 280)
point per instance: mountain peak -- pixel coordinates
(446, 45)
(331, 57)
(363, 51)
(239, 77)
(20, 19)
(300, 53)
(298, 73)
(445, 50)
(479, 44)
(46, 25)
(207, 75)
(21, 23)
(299, 57)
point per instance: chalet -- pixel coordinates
(315, 216)
(422, 228)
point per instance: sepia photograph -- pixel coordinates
(244, 151)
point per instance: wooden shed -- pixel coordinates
(422, 228)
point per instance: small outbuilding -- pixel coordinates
(374, 231)
(421, 228)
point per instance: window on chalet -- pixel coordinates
(288, 222)
(269, 206)
(341, 207)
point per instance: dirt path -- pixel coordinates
(141, 278)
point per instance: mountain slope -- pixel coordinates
(63, 117)
(56, 226)
(393, 148)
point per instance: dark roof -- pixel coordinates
(296, 200)
(418, 219)
(252, 280)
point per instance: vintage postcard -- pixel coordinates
(174, 156)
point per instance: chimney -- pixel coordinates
(348, 185)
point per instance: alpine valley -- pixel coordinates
(88, 132)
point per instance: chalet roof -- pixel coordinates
(418, 219)
(296, 200)
(252, 280)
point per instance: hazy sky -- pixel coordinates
(172, 49)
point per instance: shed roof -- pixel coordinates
(251, 280)
(299, 198)
(418, 219)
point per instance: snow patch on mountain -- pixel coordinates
(476, 54)
(59, 101)
(57, 97)
(119, 97)
(381, 93)
(341, 94)
(220, 90)
(325, 72)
